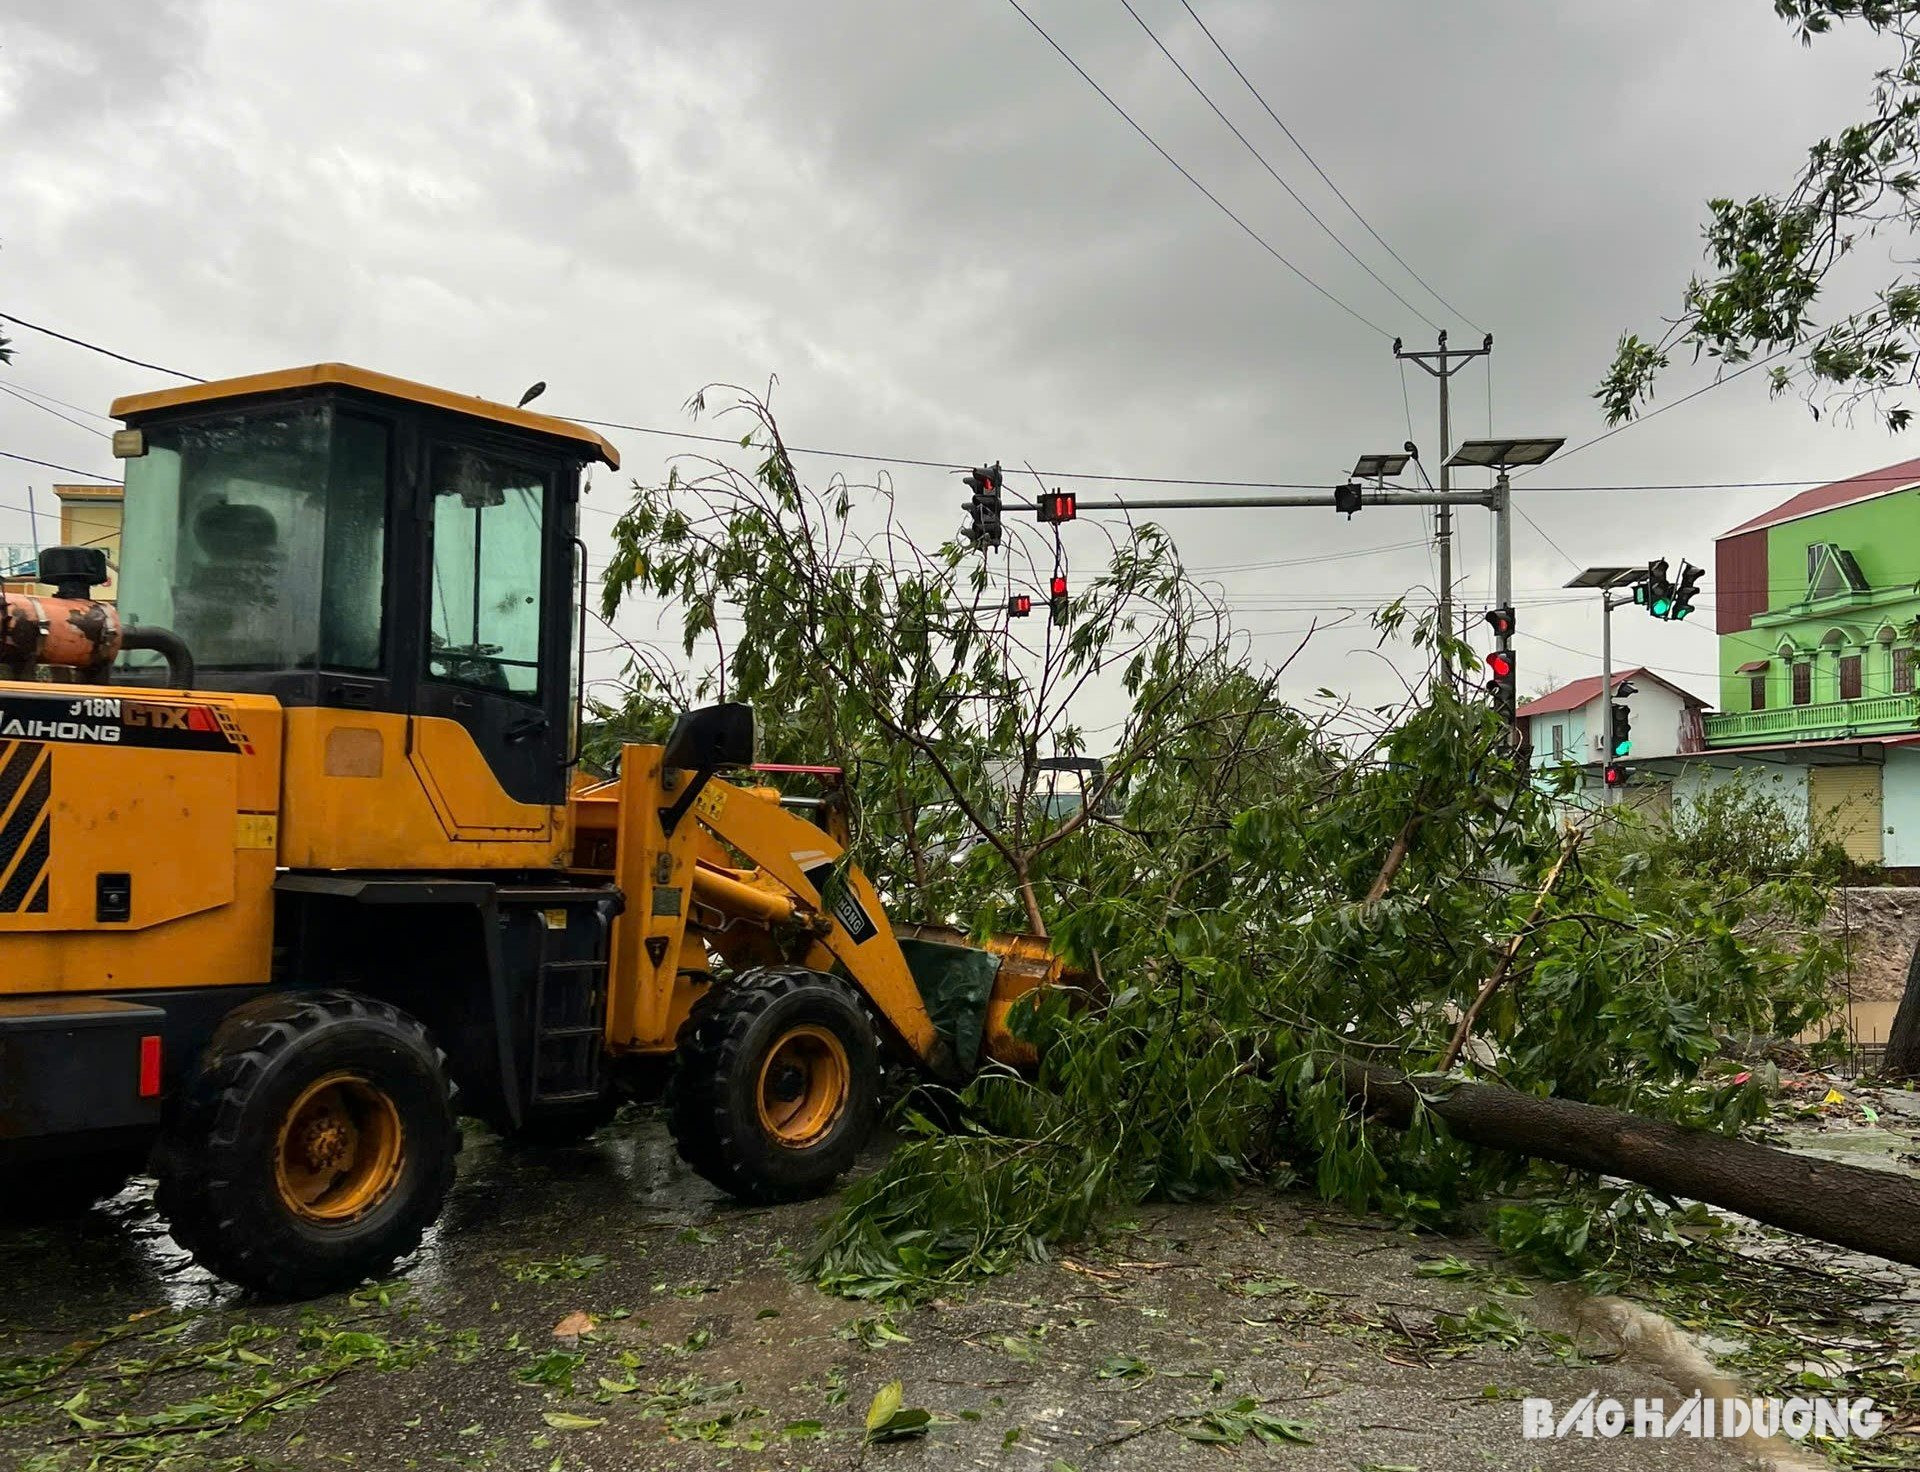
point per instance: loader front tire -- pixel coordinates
(775, 1078)
(313, 1145)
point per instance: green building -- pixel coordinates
(1817, 602)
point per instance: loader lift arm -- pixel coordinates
(825, 889)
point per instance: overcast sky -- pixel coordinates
(947, 246)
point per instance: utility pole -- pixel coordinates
(1443, 362)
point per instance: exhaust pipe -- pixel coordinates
(165, 643)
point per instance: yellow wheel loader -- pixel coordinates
(297, 860)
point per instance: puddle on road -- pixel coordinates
(119, 1259)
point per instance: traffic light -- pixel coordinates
(1346, 498)
(1055, 507)
(1057, 597)
(1659, 591)
(1619, 731)
(983, 506)
(1501, 621)
(1019, 606)
(1686, 588)
(1501, 681)
(1616, 774)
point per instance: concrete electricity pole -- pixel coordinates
(1443, 362)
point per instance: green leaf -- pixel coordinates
(567, 1421)
(886, 1401)
(889, 1420)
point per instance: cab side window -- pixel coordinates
(484, 597)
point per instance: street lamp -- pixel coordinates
(1500, 456)
(1606, 578)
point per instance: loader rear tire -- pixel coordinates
(313, 1145)
(774, 1083)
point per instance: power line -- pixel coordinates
(65, 469)
(1351, 207)
(1091, 475)
(1218, 203)
(42, 394)
(1545, 538)
(1705, 388)
(96, 348)
(1239, 485)
(1274, 173)
(49, 409)
(1594, 654)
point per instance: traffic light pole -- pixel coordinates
(1502, 506)
(1217, 503)
(1607, 605)
(1606, 691)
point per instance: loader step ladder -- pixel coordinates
(569, 933)
(569, 1036)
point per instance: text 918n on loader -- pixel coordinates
(295, 860)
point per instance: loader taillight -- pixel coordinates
(150, 1066)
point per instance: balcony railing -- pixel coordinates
(1877, 715)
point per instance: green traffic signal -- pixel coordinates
(1660, 607)
(1622, 747)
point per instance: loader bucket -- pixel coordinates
(971, 988)
(956, 984)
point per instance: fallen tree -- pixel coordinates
(1261, 885)
(1865, 1210)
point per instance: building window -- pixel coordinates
(1559, 742)
(1849, 677)
(1902, 669)
(1802, 682)
(1758, 688)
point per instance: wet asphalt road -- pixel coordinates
(1267, 1330)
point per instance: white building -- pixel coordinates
(1568, 725)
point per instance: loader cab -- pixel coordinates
(336, 537)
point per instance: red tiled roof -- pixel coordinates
(1576, 693)
(1840, 493)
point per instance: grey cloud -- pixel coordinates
(942, 241)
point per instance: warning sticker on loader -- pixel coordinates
(110, 720)
(839, 898)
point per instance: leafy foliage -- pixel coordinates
(903, 666)
(1773, 255)
(1255, 894)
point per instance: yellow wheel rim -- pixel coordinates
(804, 1082)
(340, 1150)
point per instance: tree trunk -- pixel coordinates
(1865, 1210)
(1903, 1038)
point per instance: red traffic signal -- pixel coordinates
(1058, 588)
(1058, 506)
(1616, 774)
(1019, 606)
(1501, 621)
(1500, 666)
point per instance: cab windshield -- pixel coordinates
(260, 538)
